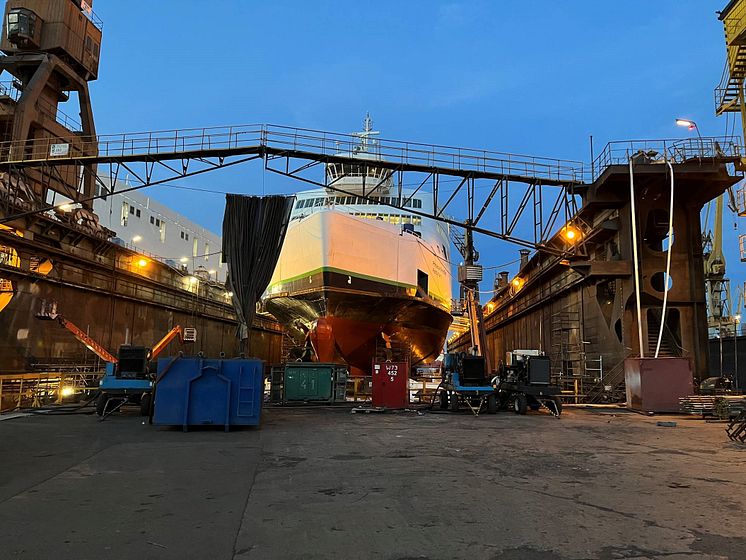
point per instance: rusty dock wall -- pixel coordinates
(582, 311)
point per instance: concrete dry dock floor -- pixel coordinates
(320, 483)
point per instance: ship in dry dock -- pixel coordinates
(356, 274)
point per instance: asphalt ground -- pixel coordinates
(324, 483)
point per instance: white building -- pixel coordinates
(147, 226)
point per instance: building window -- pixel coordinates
(207, 251)
(186, 236)
(195, 247)
(132, 210)
(182, 235)
(152, 220)
(137, 212)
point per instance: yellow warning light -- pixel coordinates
(570, 233)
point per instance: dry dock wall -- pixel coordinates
(584, 309)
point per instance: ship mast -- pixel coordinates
(365, 136)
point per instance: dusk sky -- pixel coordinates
(532, 77)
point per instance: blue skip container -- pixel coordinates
(202, 392)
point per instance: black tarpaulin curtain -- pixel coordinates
(254, 228)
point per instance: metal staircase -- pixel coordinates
(727, 94)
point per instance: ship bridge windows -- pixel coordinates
(395, 219)
(338, 170)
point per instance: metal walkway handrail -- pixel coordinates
(677, 150)
(265, 139)
(273, 139)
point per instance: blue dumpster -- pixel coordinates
(203, 392)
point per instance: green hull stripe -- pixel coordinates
(341, 271)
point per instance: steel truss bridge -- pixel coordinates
(545, 189)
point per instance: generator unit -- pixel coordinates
(465, 380)
(524, 381)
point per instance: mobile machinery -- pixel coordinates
(523, 381)
(127, 376)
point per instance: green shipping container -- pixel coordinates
(314, 382)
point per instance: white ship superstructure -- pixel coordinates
(354, 270)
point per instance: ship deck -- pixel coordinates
(323, 483)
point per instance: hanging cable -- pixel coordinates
(633, 212)
(668, 265)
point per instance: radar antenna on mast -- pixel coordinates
(367, 132)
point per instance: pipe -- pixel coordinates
(634, 254)
(668, 264)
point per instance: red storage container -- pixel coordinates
(390, 384)
(657, 384)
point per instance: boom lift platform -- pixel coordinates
(128, 377)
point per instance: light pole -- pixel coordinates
(691, 125)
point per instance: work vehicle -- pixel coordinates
(128, 377)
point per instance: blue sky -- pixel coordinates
(534, 77)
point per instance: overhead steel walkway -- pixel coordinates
(273, 140)
(532, 194)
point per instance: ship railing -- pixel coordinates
(674, 150)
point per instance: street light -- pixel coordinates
(691, 125)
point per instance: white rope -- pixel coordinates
(668, 264)
(634, 254)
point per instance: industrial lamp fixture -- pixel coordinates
(691, 125)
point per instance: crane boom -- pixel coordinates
(86, 340)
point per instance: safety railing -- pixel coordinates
(673, 150)
(91, 15)
(9, 89)
(320, 145)
(281, 139)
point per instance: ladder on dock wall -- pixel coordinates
(567, 352)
